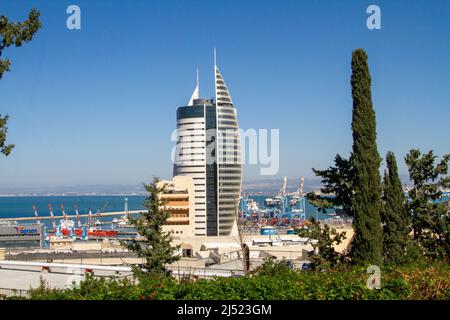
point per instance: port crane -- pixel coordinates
(298, 205)
(298, 193)
(126, 217)
(77, 215)
(63, 212)
(282, 192)
(36, 214)
(300, 187)
(125, 207)
(53, 217)
(242, 203)
(280, 200)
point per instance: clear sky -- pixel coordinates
(97, 105)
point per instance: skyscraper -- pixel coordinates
(209, 150)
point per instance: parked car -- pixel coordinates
(306, 267)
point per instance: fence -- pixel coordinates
(203, 273)
(62, 256)
(5, 292)
(177, 272)
(336, 223)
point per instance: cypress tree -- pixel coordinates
(366, 201)
(394, 214)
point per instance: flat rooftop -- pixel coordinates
(24, 278)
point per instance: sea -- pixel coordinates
(22, 206)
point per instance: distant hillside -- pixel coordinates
(74, 190)
(266, 186)
(272, 186)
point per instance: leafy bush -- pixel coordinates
(272, 267)
(273, 281)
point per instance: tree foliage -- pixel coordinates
(13, 34)
(394, 215)
(383, 220)
(323, 239)
(356, 183)
(337, 182)
(4, 148)
(366, 200)
(430, 219)
(155, 246)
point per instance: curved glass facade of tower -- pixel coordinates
(209, 150)
(229, 162)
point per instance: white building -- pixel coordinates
(209, 151)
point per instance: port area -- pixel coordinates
(202, 257)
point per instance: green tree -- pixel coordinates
(13, 34)
(430, 219)
(394, 215)
(337, 181)
(155, 246)
(323, 239)
(366, 246)
(4, 148)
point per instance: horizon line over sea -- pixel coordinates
(268, 185)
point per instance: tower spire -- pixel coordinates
(198, 83)
(221, 91)
(195, 94)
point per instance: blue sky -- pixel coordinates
(97, 105)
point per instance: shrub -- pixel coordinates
(272, 281)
